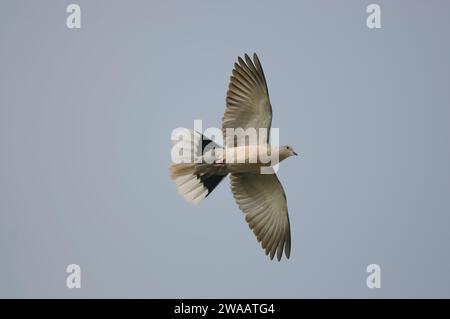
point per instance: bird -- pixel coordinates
(260, 197)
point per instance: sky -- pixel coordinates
(86, 117)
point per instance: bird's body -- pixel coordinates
(245, 159)
(254, 183)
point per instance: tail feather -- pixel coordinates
(195, 181)
(182, 169)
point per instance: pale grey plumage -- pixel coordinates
(248, 104)
(260, 196)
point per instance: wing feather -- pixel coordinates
(262, 199)
(248, 104)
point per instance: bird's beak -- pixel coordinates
(295, 153)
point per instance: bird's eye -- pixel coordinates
(287, 147)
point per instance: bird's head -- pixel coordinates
(286, 151)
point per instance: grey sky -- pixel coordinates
(85, 123)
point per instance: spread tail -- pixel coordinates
(195, 181)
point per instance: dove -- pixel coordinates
(203, 163)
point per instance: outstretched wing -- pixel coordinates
(248, 104)
(261, 197)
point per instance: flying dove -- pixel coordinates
(259, 195)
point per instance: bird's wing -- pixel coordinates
(248, 104)
(261, 197)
